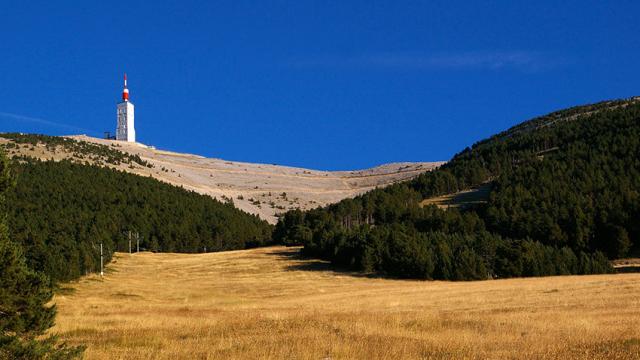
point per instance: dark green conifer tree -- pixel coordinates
(24, 294)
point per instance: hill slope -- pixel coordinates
(558, 192)
(261, 189)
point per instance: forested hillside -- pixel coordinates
(60, 212)
(564, 197)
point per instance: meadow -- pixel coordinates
(269, 303)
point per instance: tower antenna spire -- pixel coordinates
(125, 91)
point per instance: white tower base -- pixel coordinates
(125, 130)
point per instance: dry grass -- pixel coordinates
(462, 198)
(267, 303)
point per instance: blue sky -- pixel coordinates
(326, 84)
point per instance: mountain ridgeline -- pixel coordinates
(559, 194)
(60, 212)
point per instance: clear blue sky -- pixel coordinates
(326, 84)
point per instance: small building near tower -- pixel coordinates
(125, 130)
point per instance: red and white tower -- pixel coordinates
(125, 130)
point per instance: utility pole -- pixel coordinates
(101, 262)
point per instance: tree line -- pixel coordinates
(60, 213)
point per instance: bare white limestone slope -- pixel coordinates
(262, 189)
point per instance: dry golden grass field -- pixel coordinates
(269, 304)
